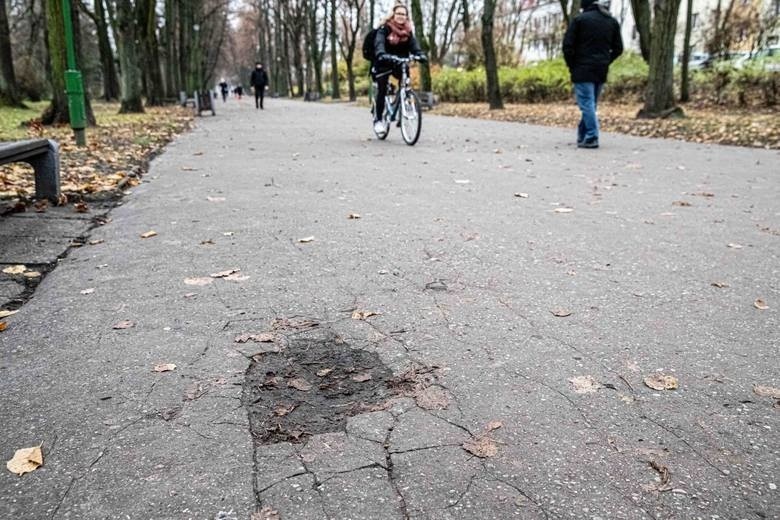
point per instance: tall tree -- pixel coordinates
(107, 65)
(686, 55)
(643, 20)
(419, 31)
(315, 53)
(127, 29)
(659, 96)
(9, 90)
(352, 12)
(150, 45)
(334, 62)
(491, 64)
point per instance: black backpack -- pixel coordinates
(368, 45)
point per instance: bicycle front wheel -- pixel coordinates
(411, 118)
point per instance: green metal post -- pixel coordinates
(74, 86)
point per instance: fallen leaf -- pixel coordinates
(263, 337)
(521, 195)
(194, 391)
(362, 378)
(208, 241)
(663, 471)
(266, 514)
(561, 313)
(3, 326)
(4, 314)
(305, 240)
(224, 274)
(228, 233)
(31, 274)
(682, 203)
(563, 210)
(88, 291)
(125, 324)
(164, 367)
(198, 281)
(281, 411)
(760, 304)
(215, 199)
(766, 391)
(299, 384)
(149, 234)
(188, 168)
(96, 242)
(494, 425)
(432, 398)
(585, 384)
(25, 460)
(15, 269)
(324, 372)
(462, 181)
(353, 216)
(719, 285)
(734, 246)
(482, 447)
(362, 315)
(235, 277)
(661, 382)
(80, 207)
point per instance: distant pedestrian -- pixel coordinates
(223, 88)
(259, 82)
(238, 91)
(592, 42)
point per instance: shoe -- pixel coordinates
(379, 127)
(588, 143)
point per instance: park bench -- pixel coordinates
(44, 156)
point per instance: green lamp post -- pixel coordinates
(74, 86)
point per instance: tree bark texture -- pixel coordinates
(491, 65)
(108, 67)
(131, 101)
(686, 55)
(659, 97)
(643, 19)
(334, 62)
(9, 90)
(419, 33)
(57, 111)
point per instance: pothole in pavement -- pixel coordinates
(311, 386)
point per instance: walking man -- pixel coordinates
(592, 42)
(259, 81)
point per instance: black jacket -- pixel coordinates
(402, 50)
(259, 78)
(591, 43)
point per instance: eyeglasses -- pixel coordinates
(399, 13)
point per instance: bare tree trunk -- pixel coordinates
(686, 56)
(128, 58)
(147, 22)
(419, 29)
(659, 97)
(334, 62)
(9, 90)
(643, 20)
(491, 65)
(172, 78)
(57, 111)
(110, 78)
(314, 47)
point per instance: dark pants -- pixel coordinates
(259, 94)
(381, 76)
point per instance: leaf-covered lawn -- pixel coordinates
(120, 146)
(754, 128)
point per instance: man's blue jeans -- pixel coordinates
(587, 98)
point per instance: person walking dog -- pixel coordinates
(592, 42)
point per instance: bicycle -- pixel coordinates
(402, 104)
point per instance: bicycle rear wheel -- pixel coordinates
(411, 118)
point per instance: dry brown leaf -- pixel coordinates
(521, 195)
(281, 410)
(494, 425)
(236, 277)
(585, 384)
(198, 281)
(482, 447)
(661, 382)
(3, 326)
(362, 315)
(432, 398)
(25, 460)
(124, 324)
(663, 471)
(31, 274)
(266, 514)
(362, 378)
(760, 304)
(324, 372)
(561, 313)
(5, 314)
(299, 384)
(188, 168)
(15, 269)
(305, 240)
(164, 367)
(263, 337)
(734, 246)
(193, 391)
(682, 203)
(766, 391)
(206, 242)
(80, 207)
(215, 199)
(149, 234)
(720, 285)
(353, 216)
(96, 242)
(224, 274)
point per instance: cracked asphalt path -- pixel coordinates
(464, 272)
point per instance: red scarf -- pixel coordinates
(398, 33)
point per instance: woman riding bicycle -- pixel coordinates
(393, 39)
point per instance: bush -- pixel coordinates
(627, 78)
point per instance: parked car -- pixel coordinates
(699, 60)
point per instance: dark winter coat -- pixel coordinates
(259, 78)
(402, 50)
(591, 43)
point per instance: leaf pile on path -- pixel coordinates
(120, 146)
(758, 128)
